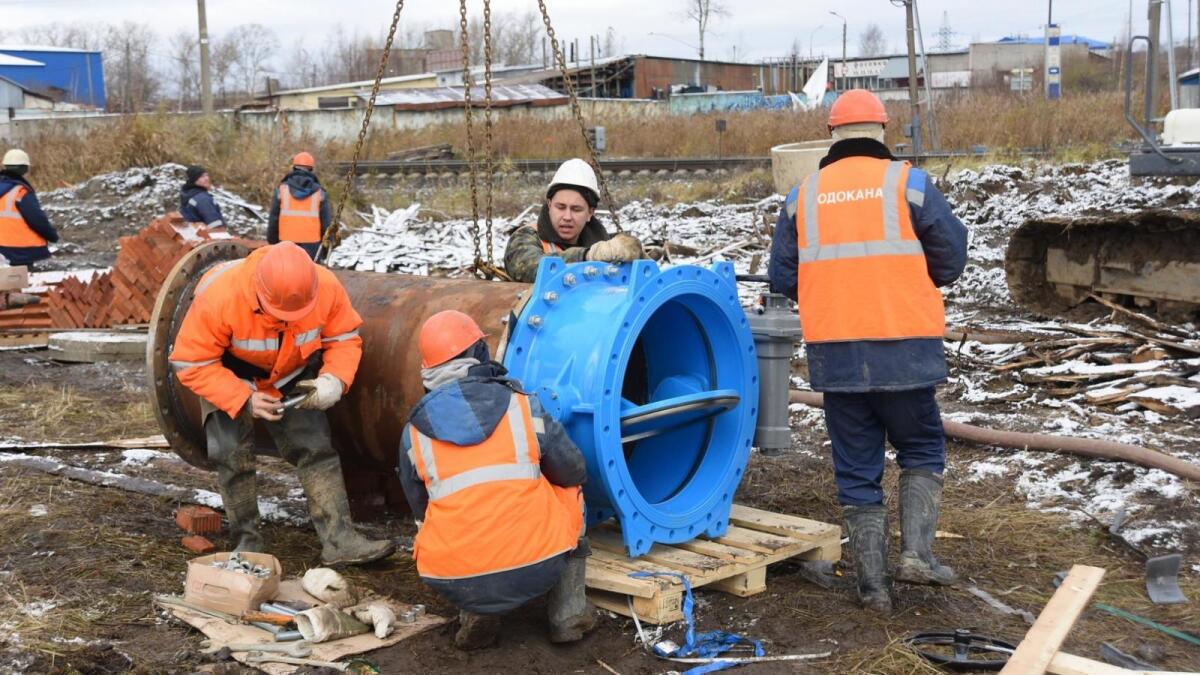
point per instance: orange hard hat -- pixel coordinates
(445, 335)
(304, 159)
(857, 106)
(286, 282)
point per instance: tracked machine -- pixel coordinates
(1147, 259)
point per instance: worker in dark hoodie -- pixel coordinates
(494, 486)
(25, 231)
(300, 207)
(567, 227)
(196, 203)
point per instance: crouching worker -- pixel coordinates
(273, 325)
(567, 227)
(494, 485)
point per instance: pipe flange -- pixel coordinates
(662, 359)
(174, 299)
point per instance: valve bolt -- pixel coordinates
(535, 321)
(612, 271)
(569, 280)
(590, 272)
(550, 296)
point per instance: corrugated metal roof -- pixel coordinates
(10, 60)
(44, 48)
(439, 98)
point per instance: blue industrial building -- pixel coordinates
(59, 73)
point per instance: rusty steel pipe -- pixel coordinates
(367, 424)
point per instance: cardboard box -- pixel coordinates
(14, 278)
(228, 591)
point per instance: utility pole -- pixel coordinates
(1051, 57)
(128, 85)
(913, 102)
(205, 78)
(1155, 16)
(843, 47)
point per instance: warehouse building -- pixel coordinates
(73, 76)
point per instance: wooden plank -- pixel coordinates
(1069, 664)
(666, 608)
(604, 577)
(1047, 634)
(781, 524)
(762, 542)
(750, 582)
(667, 556)
(715, 550)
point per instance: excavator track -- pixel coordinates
(1147, 259)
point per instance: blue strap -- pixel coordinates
(706, 645)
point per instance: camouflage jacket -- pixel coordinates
(529, 243)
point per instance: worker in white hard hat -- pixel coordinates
(25, 231)
(567, 227)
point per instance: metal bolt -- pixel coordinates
(612, 271)
(590, 272)
(535, 321)
(550, 296)
(554, 396)
(569, 280)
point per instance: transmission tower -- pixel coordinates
(944, 33)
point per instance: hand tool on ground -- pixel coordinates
(297, 650)
(966, 652)
(276, 608)
(273, 618)
(260, 657)
(176, 601)
(1162, 572)
(1110, 654)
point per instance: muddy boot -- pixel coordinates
(867, 527)
(476, 631)
(330, 512)
(571, 615)
(230, 446)
(920, 499)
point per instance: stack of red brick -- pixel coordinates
(29, 316)
(126, 295)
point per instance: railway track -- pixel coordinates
(608, 164)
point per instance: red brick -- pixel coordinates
(197, 544)
(198, 519)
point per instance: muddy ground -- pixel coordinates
(80, 562)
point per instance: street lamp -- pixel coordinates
(810, 39)
(843, 45)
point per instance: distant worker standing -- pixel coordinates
(299, 207)
(272, 325)
(493, 482)
(863, 246)
(196, 203)
(25, 231)
(567, 227)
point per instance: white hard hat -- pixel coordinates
(575, 173)
(16, 157)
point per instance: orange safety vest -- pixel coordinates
(299, 219)
(14, 231)
(490, 508)
(225, 317)
(862, 273)
(549, 247)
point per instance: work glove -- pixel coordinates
(377, 615)
(621, 248)
(328, 586)
(324, 391)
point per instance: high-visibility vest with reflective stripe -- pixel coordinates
(299, 219)
(862, 273)
(14, 231)
(549, 247)
(490, 509)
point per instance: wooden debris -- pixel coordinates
(1041, 643)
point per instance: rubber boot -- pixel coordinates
(920, 501)
(867, 527)
(231, 447)
(571, 615)
(330, 512)
(476, 631)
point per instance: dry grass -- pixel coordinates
(249, 162)
(41, 412)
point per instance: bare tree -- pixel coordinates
(702, 12)
(185, 54)
(224, 53)
(872, 42)
(519, 38)
(303, 68)
(611, 47)
(347, 57)
(130, 76)
(60, 34)
(255, 44)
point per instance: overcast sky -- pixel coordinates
(754, 28)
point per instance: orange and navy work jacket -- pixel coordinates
(490, 508)
(861, 272)
(14, 231)
(299, 219)
(225, 317)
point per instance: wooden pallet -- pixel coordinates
(735, 563)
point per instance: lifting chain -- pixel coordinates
(571, 96)
(330, 240)
(487, 123)
(474, 181)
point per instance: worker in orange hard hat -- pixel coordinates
(299, 207)
(262, 335)
(494, 485)
(863, 246)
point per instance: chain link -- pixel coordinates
(487, 126)
(331, 238)
(569, 85)
(474, 182)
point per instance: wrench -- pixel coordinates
(298, 650)
(268, 658)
